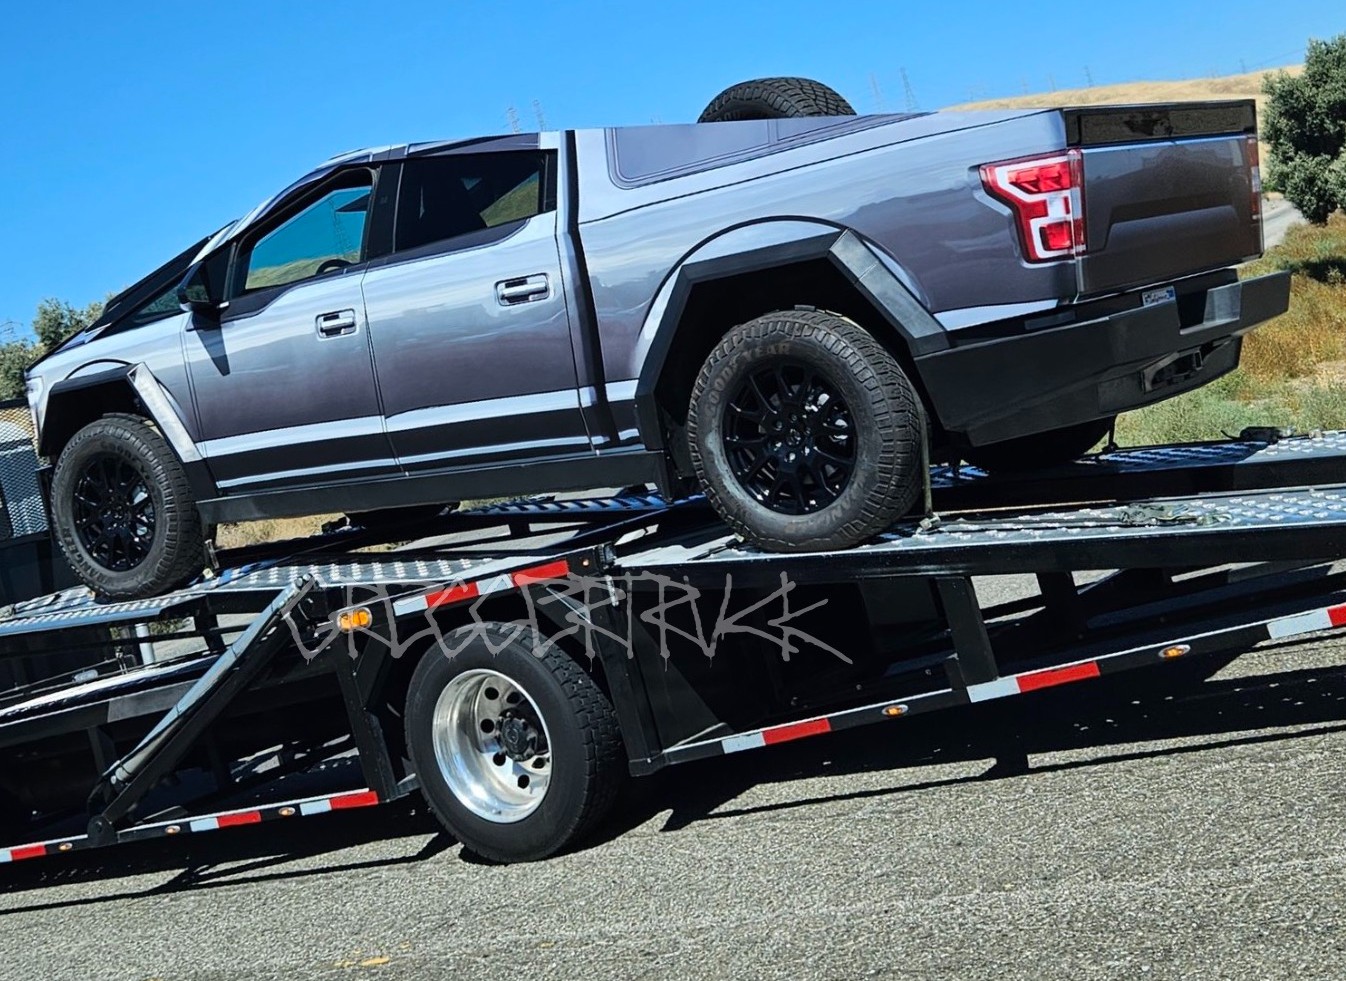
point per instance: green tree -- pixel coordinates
(1305, 126)
(54, 322)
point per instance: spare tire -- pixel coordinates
(775, 98)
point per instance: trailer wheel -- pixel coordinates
(805, 432)
(1047, 449)
(123, 510)
(775, 98)
(517, 749)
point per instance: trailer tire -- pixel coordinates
(805, 432)
(470, 740)
(173, 552)
(775, 98)
(1055, 446)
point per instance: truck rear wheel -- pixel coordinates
(517, 749)
(1039, 450)
(805, 432)
(123, 510)
(775, 98)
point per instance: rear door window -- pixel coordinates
(445, 198)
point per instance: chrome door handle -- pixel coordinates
(336, 323)
(524, 289)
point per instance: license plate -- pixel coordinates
(1150, 297)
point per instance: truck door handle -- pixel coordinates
(524, 289)
(336, 323)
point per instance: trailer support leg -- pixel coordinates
(375, 762)
(973, 660)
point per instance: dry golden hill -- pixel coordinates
(1191, 90)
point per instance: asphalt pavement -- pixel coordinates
(1278, 215)
(1194, 831)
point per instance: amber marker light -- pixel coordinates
(894, 711)
(1177, 650)
(349, 621)
(287, 812)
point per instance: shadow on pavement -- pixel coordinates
(1102, 715)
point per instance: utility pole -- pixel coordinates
(513, 116)
(909, 93)
(1088, 76)
(877, 92)
(541, 119)
(1051, 82)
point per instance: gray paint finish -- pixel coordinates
(482, 366)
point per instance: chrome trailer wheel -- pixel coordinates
(515, 744)
(492, 746)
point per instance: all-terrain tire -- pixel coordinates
(775, 98)
(1040, 450)
(888, 426)
(588, 760)
(176, 551)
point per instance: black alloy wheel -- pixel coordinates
(114, 513)
(790, 438)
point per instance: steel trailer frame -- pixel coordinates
(1215, 548)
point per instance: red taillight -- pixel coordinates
(1047, 198)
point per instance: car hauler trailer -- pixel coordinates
(551, 648)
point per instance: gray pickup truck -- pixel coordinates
(776, 305)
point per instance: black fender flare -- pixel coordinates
(921, 333)
(115, 389)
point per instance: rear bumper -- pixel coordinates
(1013, 386)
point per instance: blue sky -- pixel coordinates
(130, 130)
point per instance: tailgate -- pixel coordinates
(1168, 191)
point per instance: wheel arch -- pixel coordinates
(76, 401)
(754, 269)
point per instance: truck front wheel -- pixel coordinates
(516, 748)
(805, 432)
(123, 510)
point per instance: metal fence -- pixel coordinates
(21, 509)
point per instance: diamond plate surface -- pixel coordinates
(78, 608)
(1152, 458)
(1241, 513)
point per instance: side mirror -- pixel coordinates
(197, 294)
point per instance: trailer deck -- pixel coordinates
(704, 645)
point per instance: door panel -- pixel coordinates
(282, 399)
(472, 351)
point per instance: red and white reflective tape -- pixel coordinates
(776, 734)
(1308, 623)
(210, 822)
(1019, 684)
(461, 591)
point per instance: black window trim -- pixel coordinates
(239, 299)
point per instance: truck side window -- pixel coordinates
(444, 197)
(325, 235)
